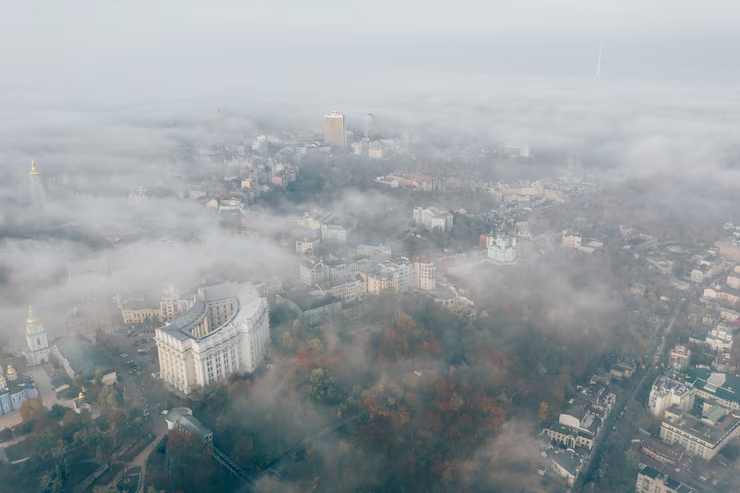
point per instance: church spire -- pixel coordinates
(34, 169)
(32, 324)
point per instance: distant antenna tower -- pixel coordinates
(598, 61)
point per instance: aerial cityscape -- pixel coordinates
(384, 248)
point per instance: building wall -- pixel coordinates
(139, 316)
(333, 129)
(692, 444)
(425, 275)
(239, 344)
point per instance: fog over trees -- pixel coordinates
(181, 144)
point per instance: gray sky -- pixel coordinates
(134, 50)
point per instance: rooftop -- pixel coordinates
(724, 386)
(711, 430)
(664, 385)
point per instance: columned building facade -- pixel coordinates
(226, 331)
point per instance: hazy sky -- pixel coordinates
(134, 50)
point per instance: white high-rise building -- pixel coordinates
(36, 340)
(226, 331)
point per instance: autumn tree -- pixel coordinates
(32, 410)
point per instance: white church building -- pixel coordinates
(37, 342)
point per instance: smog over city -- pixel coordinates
(370, 246)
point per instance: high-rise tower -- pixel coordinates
(36, 187)
(333, 128)
(36, 340)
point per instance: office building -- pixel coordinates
(667, 392)
(425, 274)
(650, 480)
(171, 304)
(226, 331)
(333, 129)
(433, 218)
(701, 436)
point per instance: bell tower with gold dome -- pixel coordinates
(36, 340)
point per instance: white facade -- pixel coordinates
(171, 304)
(225, 332)
(349, 290)
(667, 392)
(502, 249)
(720, 338)
(333, 232)
(389, 276)
(433, 218)
(36, 341)
(425, 275)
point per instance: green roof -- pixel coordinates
(729, 390)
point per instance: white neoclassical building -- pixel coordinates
(226, 331)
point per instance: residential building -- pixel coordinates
(375, 150)
(679, 357)
(333, 233)
(433, 218)
(136, 312)
(425, 274)
(728, 296)
(226, 331)
(622, 371)
(349, 290)
(379, 251)
(311, 271)
(171, 304)
(667, 392)
(37, 342)
(722, 389)
(650, 480)
(660, 451)
(720, 338)
(701, 437)
(566, 464)
(585, 414)
(388, 276)
(333, 129)
(501, 249)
